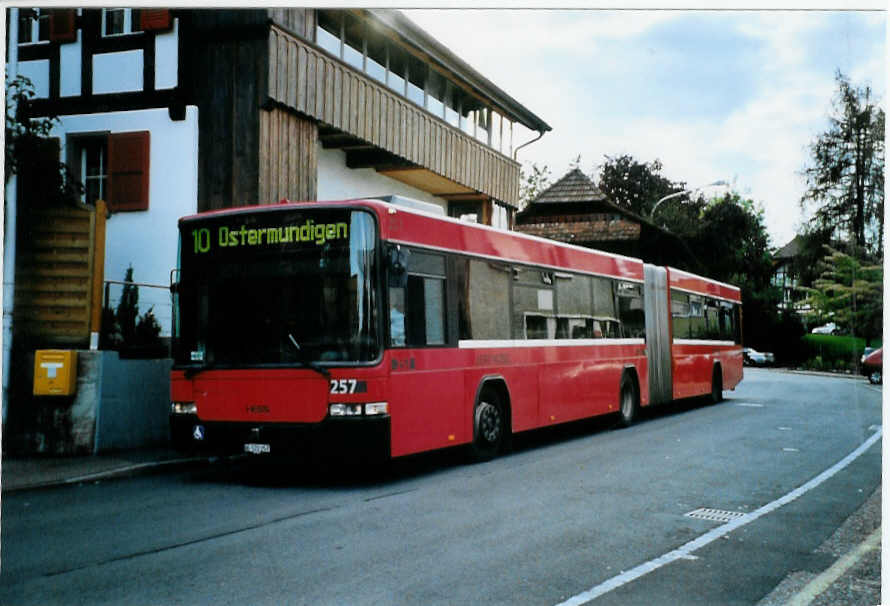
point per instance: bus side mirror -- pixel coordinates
(174, 283)
(397, 266)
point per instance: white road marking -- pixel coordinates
(689, 548)
(818, 585)
(749, 405)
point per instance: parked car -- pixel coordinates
(873, 366)
(753, 357)
(825, 329)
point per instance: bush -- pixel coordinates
(125, 330)
(833, 352)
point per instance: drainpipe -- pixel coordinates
(12, 68)
(515, 151)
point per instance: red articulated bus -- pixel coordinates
(379, 327)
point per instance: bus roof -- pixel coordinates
(410, 226)
(683, 280)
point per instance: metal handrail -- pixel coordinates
(124, 282)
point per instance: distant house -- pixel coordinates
(786, 276)
(574, 210)
(168, 112)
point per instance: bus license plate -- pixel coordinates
(257, 448)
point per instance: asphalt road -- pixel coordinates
(584, 512)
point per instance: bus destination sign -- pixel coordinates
(230, 237)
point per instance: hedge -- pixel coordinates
(834, 351)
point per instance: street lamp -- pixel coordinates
(684, 192)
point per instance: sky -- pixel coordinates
(733, 95)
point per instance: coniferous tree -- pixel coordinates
(849, 293)
(845, 180)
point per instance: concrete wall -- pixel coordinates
(120, 404)
(133, 403)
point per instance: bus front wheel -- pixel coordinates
(488, 426)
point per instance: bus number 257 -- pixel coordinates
(341, 386)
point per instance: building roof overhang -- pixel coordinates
(445, 59)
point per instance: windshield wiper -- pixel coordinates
(192, 371)
(306, 362)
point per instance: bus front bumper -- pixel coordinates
(362, 439)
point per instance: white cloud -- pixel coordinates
(563, 65)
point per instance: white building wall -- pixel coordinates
(338, 182)
(148, 240)
(70, 67)
(117, 72)
(38, 73)
(167, 58)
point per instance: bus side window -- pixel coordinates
(680, 314)
(606, 315)
(697, 326)
(422, 303)
(397, 316)
(630, 310)
(712, 319)
(485, 293)
(425, 312)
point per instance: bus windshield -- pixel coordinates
(278, 287)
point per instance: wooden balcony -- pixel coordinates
(382, 130)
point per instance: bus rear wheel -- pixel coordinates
(716, 386)
(628, 403)
(488, 426)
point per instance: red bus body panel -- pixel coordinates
(431, 391)
(693, 361)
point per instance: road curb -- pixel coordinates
(827, 375)
(117, 472)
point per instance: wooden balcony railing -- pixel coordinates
(306, 79)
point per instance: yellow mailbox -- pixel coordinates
(55, 372)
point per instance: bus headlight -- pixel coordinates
(357, 410)
(345, 410)
(376, 408)
(184, 408)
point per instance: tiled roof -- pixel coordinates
(790, 250)
(575, 186)
(583, 232)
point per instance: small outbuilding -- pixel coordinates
(576, 211)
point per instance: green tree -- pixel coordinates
(634, 185)
(845, 178)
(533, 182)
(732, 244)
(31, 152)
(849, 292)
